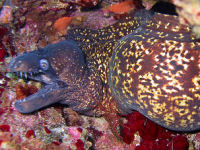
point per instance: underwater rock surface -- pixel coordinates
(49, 128)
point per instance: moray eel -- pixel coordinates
(66, 77)
(146, 62)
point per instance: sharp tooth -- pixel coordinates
(23, 100)
(21, 74)
(25, 74)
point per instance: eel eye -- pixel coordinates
(17, 64)
(44, 64)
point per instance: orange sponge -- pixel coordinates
(61, 24)
(123, 7)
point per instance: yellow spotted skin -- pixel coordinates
(151, 64)
(98, 45)
(157, 72)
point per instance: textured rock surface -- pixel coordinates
(49, 129)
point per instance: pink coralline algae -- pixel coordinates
(189, 13)
(96, 20)
(40, 17)
(6, 15)
(85, 3)
(74, 132)
(3, 84)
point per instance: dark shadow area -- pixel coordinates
(164, 8)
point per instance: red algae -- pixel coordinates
(1, 142)
(88, 3)
(6, 42)
(47, 130)
(79, 145)
(56, 142)
(30, 133)
(2, 53)
(1, 91)
(179, 143)
(1, 111)
(96, 133)
(5, 128)
(80, 130)
(3, 32)
(153, 136)
(134, 124)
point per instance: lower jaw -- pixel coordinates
(44, 97)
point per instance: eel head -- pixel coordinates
(58, 66)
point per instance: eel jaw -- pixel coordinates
(45, 96)
(48, 95)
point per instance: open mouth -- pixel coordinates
(43, 97)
